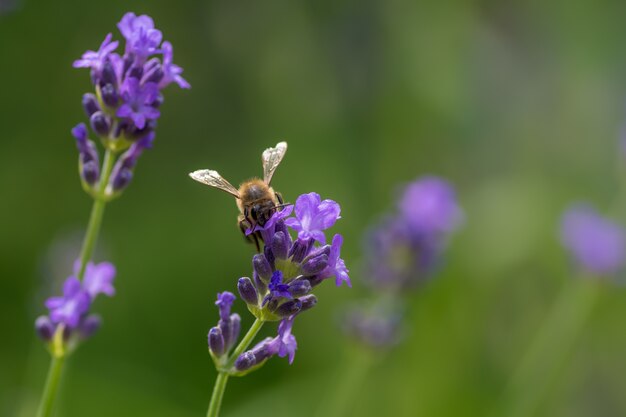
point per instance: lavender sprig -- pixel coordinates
(401, 252)
(283, 277)
(122, 114)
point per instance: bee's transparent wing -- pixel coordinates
(214, 179)
(271, 159)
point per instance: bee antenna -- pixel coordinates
(283, 205)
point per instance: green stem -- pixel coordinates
(218, 394)
(222, 375)
(550, 347)
(89, 244)
(351, 376)
(52, 384)
(97, 212)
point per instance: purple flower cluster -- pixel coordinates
(402, 251)
(597, 244)
(404, 248)
(284, 275)
(71, 310)
(125, 107)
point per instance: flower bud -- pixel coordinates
(247, 291)
(136, 72)
(258, 283)
(262, 267)
(90, 104)
(108, 76)
(90, 172)
(109, 95)
(100, 123)
(269, 255)
(121, 179)
(45, 328)
(299, 287)
(245, 361)
(280, 245)
(308, 302)
(300, 249)
(315, 265)
(89, 326)
(289, 308)
(235, 328)
(216, 341)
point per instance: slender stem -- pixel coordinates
(222, 375)
(550, 347)
(97, 212)
(50, 390)
(218, 394)
(89, 244)
(349, 380)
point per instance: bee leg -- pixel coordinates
(244, 224)
(256, 242)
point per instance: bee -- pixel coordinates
(256, 199)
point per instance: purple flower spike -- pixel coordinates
(96, 60)
(596, 243)
(171, 71)
(138, 100)
(313, 216)
(429, 206)
(69, 308)
(99, 279)
(224, 302)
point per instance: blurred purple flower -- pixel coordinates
(171, 71)
(69, 308)
(96, 59)
(313, 216)
(138, 102)
(596, 243)
(142, 39)
(99, 279)
(429, 206)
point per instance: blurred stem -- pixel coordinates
(97, 212)
(89, 243)
(52, 384)
(222, 375)
(349, 379)
(550, 347)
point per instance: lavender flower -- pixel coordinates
(284, 344)
(223, 336)
(284, 275)
(402, 251)
(72, 308)
(313, 216)
(598, 245)
(429, 206)
(128, 96)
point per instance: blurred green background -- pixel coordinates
(519, 104)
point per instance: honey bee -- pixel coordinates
(256, 199)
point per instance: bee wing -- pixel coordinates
(214, 179)
(271, 159)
